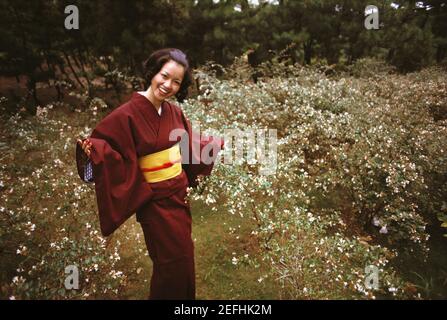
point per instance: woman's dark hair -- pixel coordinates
(156, 61)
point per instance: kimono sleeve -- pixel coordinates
(202, 154)
(119, 184)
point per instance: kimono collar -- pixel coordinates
(141, 99)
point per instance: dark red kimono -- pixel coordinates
(131, 131)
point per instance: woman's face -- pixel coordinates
(167, 81)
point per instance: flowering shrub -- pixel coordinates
(357, 159)
(370, 67)
(48, 216)
(360, 172)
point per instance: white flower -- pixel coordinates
(376, 221)
(384, 230)
(19, 279)
(22, 250)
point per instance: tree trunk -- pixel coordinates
(72, 69)
(308, 51)
(32, 90)
(83, 63)
(440, 53)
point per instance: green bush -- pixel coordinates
(49, 219)
(365, 152)
(361, 167)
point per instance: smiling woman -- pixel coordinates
(165, 83)
(168, 64)
(128, 158)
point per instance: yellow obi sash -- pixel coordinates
(161, 165)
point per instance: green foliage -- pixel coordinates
(361, 172)
(35, 43)
(49, 214)
(370, 67)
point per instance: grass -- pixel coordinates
(215, 246)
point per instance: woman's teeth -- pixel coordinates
(163, 91)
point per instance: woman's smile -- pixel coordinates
(163, 91)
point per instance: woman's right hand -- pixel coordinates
(86, 145)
